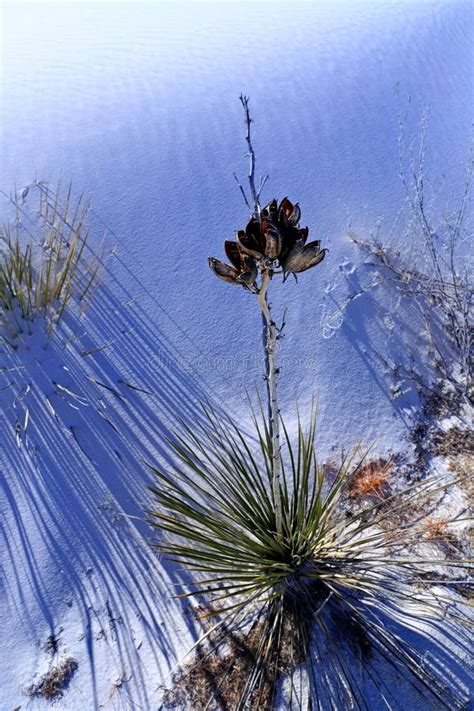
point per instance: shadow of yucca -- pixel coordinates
(83, 405)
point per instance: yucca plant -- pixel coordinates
(296, 575)
(326, 572)
(43, 264)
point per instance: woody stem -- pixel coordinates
(251, 176)
(270, 337)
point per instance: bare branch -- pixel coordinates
(244, 100)
(242, 191)
(263, 180)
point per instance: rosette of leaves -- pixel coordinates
(325, 593)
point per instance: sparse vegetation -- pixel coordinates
(43, 264)
(433, 273)
(372, 479)
(221, 666)
(437, 529)
(52, 685)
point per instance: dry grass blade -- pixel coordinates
(43, 264)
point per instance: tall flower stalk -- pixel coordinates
(270, 338)
(271, 243)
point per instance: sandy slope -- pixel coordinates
(76, 561)
(139, 109)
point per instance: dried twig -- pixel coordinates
(251, 176)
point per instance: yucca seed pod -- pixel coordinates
(272, 241)
(243, 270)
(289, 212)
(223, 271)
(251, 239)
(301, 258)
(248, 278)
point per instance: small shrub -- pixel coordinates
(372, 479)
(52, 685)
(437, 529)
(432, 274)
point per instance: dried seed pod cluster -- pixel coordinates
(273, 236)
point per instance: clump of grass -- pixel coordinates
(52, 685)
(437, 529)
(456, 441)
(43, 262)
(336, 573)
(372, 479)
